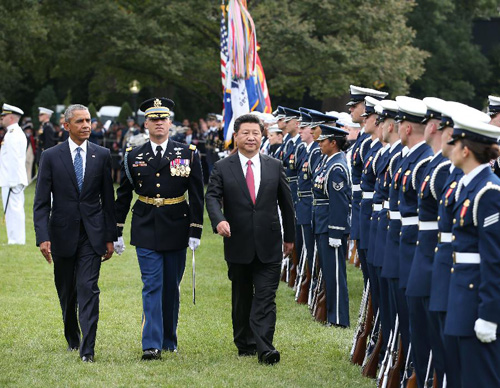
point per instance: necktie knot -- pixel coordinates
(249, 163)
(78, 149)
(159, 150)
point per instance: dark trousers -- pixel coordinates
(362, 262)
(387, 320)
(76, 280)
(308, 243)
(254, 288)
(479, 362)
(402, 311)
(161, 274)
(419, 335)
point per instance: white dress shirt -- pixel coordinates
(471, 175)
(163, 146)
(255, 167)
(83, 153)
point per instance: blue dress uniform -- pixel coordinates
(419, 279)
(440, 282)
(474, 286)
(307, 157)
(378, 235)
(162, 223)
(390, 266)
(331, 214)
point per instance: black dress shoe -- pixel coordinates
(151, 354)
(88, 358)
(72, 348)
(270, 358)
(247, 353)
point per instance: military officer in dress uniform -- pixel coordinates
(411, 130)
(331, 221)
(164, 174)
(46, 134)
(387, 111)
(356, 106)
(13, 177)
(473, 314)
(367, 184)
(307, 154)
(494, 112)
(275, 135)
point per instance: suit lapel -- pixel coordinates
(67, 162)
(235, 167)
(90, 163)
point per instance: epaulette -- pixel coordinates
(192, 147)
(361, 148)
(128, 149)
(434, 176)
(489, 186)
(415, 170)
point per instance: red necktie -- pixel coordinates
(250, 181)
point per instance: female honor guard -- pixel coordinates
(474, 296)
(331, 213)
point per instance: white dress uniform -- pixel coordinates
(13, 180)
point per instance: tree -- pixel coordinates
(92, 110)
(125, 112)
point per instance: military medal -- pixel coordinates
(396, 177)
(424, 183)
(291, 164)
(448, 193)
(405, 178)
(463, 211)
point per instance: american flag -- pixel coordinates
(224, 54)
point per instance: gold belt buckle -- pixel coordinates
(158, 202)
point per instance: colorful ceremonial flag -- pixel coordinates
(242, 75)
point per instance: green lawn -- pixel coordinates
(33, 349)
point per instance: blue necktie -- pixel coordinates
(78, 163)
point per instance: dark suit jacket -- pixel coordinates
(59, 222)
(255, 229)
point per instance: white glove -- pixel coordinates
(485, 331)
(119, 245)
(334, 242)
(194, 243)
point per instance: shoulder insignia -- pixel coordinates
(128, 149)
(338, 186)
(192, 147)
(488, 220)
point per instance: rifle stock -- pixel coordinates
(304, 289)
(358, 355)
(320, 315)
(293, 268)
(394, 373)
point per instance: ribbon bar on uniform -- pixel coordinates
(407, 221)
(466, 258)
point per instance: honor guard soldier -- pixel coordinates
(473, 314)
(46, 134)
(494, 112)
(13, 177)
(280, 113)
(411, 130)
(308, 153)
(331, 214)
(387, 111)
(356, 106)
(367, 184)
(164, 174)
(275, 136)
(213, 141)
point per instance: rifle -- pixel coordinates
(316, 292)
(313, 275)
(363, 328)
(293, 268)
(409, 381)
(429, 375)
(285, 268)
(352, 252)
(304, 288)
(302, 269)
(320, 314)
(390, 356)
(370, 363)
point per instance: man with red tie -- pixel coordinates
(242, 199)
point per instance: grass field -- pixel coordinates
(33, 349)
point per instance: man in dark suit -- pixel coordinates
(250, 186)
(75, 225)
